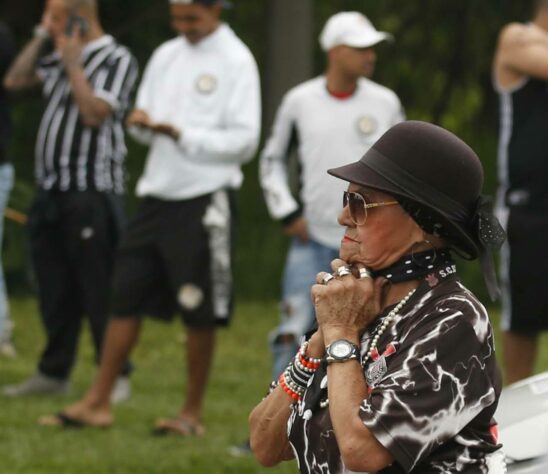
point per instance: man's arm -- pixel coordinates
(139, 126)
(273, 172)
(522, 51)
(93, 110)
(22, 73)
(139, 122)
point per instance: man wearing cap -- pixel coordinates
(520, 71)
(330, 119)
(198, 109)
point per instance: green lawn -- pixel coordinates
(240, 376)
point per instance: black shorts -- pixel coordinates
(524, 258)
(176, 256)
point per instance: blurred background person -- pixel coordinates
(7, 53)
(77, 213)
(329, 120)
(198, 108)
(520, 71)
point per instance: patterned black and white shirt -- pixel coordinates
(433, 389)
(70, 155)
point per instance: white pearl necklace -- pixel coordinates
(378, 333)
(382, 327)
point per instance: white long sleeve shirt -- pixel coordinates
(330, 132)
(211, 92)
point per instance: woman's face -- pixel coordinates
(387, 234)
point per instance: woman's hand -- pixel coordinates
(347, 304)
(316, 345)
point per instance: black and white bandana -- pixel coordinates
(415, 266)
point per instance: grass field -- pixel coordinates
(240, 376)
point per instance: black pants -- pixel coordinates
(73, 237)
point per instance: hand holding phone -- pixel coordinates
(138, 118)
(72, 42)
(77, 22)
(166, 129)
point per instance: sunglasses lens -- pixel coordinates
(356, 206)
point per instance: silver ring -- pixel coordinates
(364, 273)
(344, 270)
(327, 278)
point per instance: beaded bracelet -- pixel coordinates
(294, 395)
(297, 362)
(272, 386)
(294, 380)
(310, 360)
(307, 363)
(299, 377)
(293, 384)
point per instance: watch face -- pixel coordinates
(341, 349)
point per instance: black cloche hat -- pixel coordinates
(427, 167)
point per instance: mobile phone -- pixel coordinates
(77, 20)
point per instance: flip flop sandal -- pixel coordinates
(177, 426)
(62, 420)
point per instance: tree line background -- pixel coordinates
(439, 65)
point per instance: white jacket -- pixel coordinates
(211, 92)
(330, 132)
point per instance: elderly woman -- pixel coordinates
(400, 375)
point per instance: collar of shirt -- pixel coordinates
(212, 40)
(96, 44)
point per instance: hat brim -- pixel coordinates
(224, 3)
(368, 40)
(361, 174)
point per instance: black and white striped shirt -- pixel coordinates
(70, 155)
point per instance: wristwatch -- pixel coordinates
(41, 32)
(341, 350)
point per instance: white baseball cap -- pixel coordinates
(224, 3)
(351, 29)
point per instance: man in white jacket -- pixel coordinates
(198, 109)
(332, 120)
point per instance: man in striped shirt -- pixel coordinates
(87, 81)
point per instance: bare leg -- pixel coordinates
(200, 350)
(520, 352)
(120, 338)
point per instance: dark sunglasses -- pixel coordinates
(358, 205)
